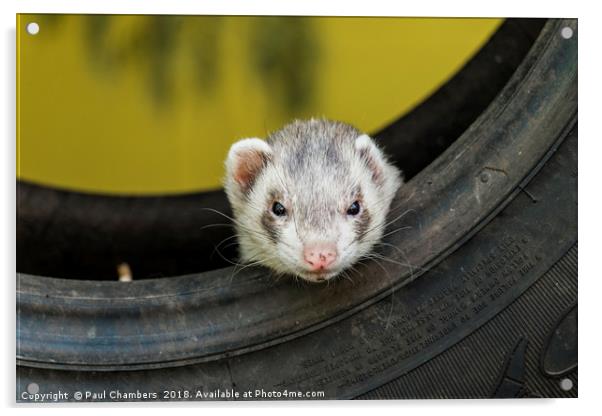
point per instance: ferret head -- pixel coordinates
(311, 200)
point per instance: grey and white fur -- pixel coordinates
(311, 200)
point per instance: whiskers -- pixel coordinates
(346, 274)
(376, 256)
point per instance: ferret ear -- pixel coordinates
(246, 159)
(372, 157)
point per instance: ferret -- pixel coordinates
(310, 200)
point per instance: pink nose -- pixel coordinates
(320, 255)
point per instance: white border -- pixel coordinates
(507, 8)
(590, 152)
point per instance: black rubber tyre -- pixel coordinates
(486, 309)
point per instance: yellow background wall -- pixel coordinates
(91, 120)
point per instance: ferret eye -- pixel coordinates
(278, 209)
(354, 209)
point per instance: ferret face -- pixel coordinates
(312, 200)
